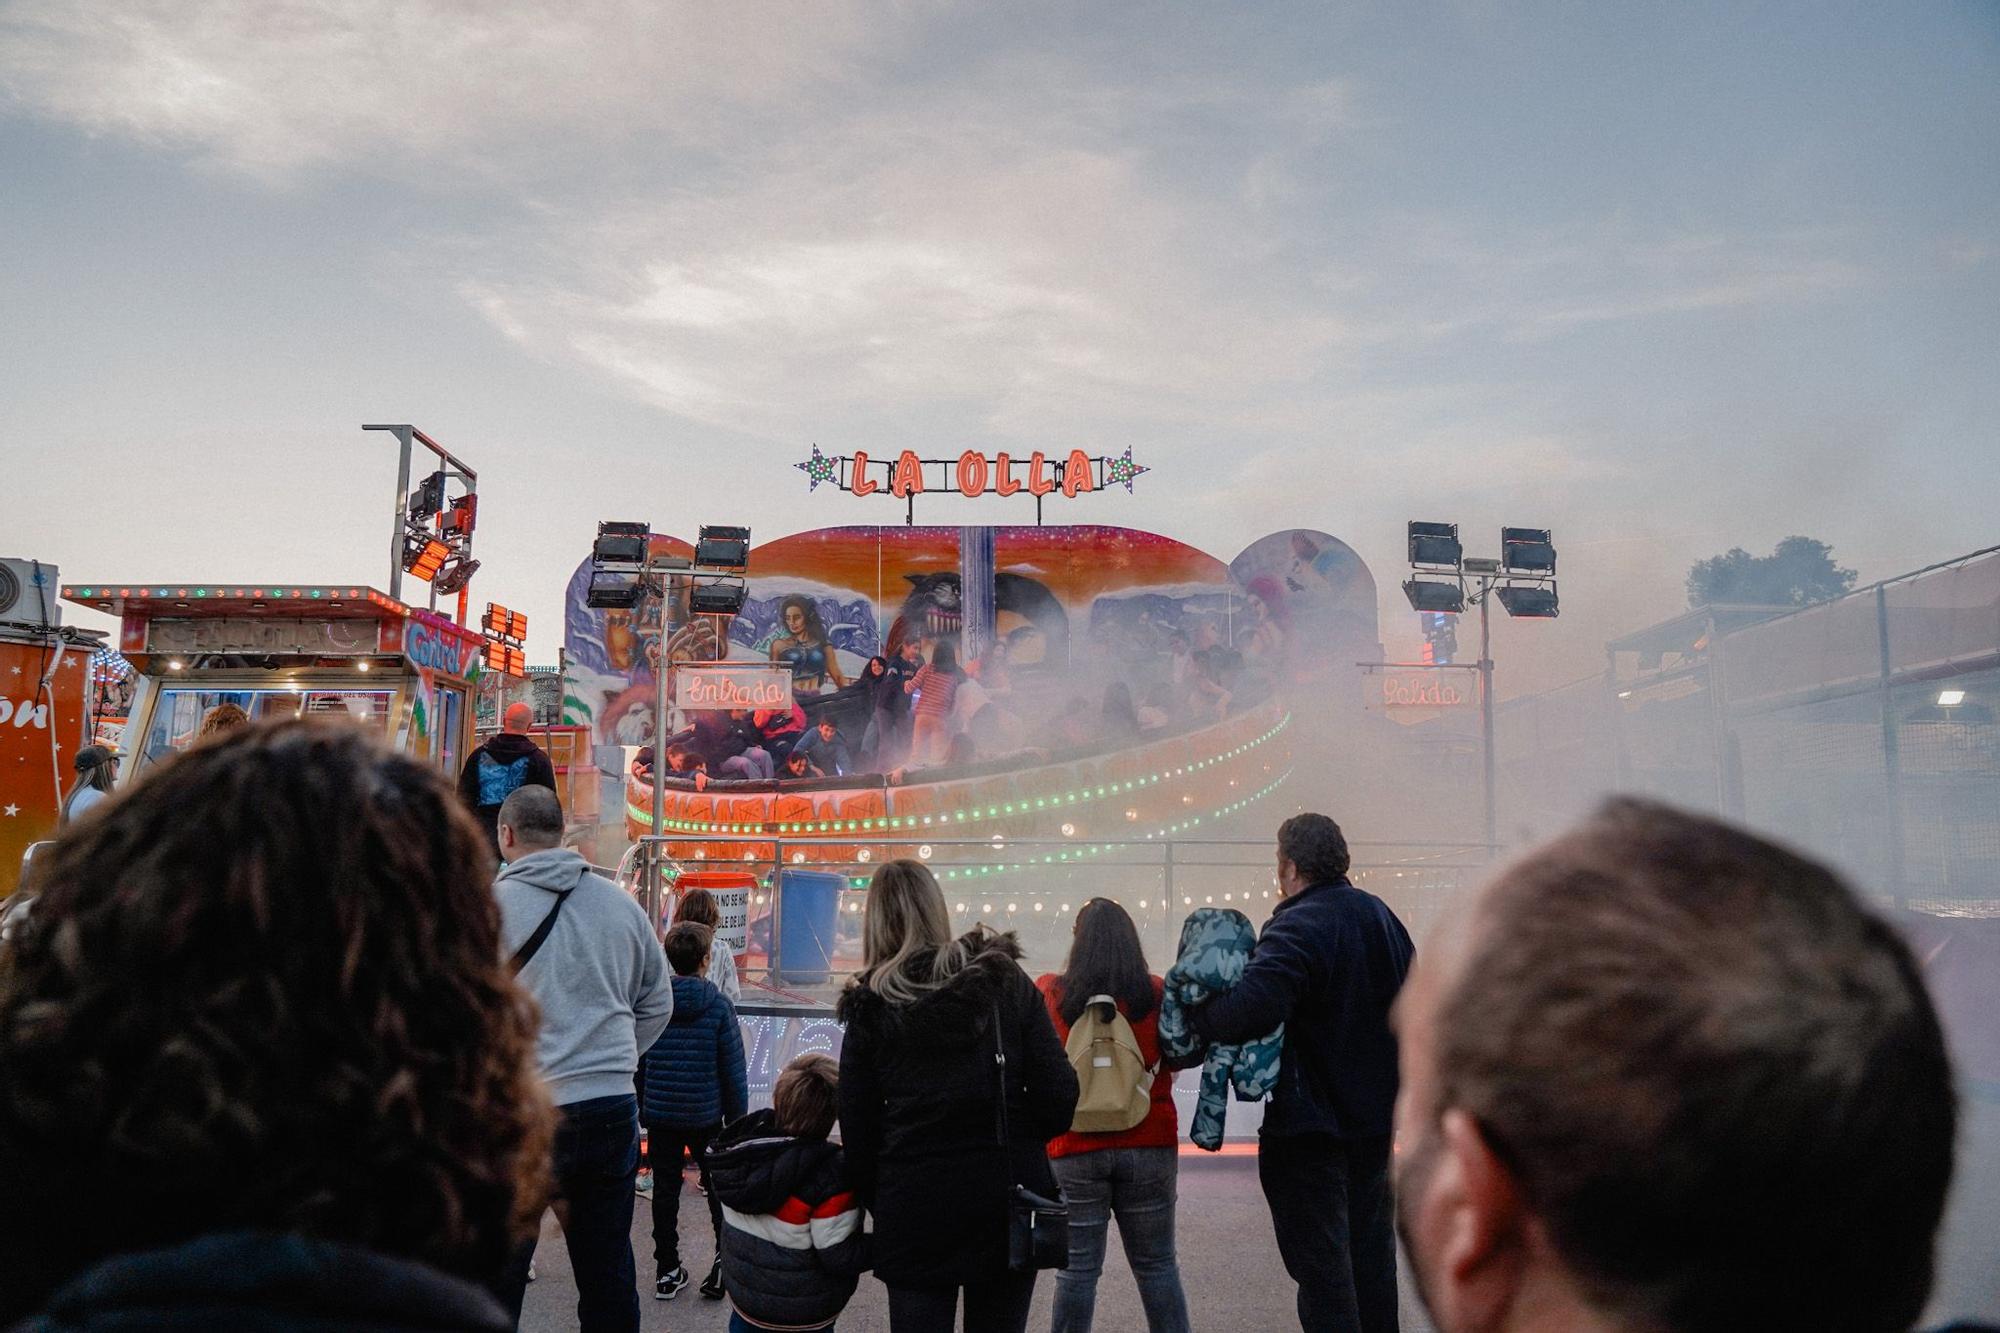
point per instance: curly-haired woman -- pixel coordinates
(805, 648)
(261, 1061)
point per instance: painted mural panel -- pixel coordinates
(1058, 616)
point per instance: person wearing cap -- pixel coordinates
(502, 766)
(96, 769)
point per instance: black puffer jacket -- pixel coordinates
(792, 1245)
(919, 1113)
(267, 1281)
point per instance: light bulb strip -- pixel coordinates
(1024, 806)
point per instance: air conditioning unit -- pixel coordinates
(28, 593)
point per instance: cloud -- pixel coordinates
(272, 88)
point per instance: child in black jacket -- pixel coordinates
(792, 1245)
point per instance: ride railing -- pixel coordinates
(1031, 886)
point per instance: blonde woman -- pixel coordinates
(919, 1112)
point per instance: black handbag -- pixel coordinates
(1037, 1227)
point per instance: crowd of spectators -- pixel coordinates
(921, 708)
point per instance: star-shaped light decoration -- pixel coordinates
(819, 468)
(12, 811)
(1119, 471)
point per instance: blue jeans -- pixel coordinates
(1139, 1186)
(738, 1324)
(597, 1156)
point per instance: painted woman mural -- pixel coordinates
(805, 647)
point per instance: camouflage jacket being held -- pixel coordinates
(1215, 948)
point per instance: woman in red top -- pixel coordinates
(1132, 1174)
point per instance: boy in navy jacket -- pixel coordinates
(792, 1244)
(691, 1083)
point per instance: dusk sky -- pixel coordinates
(1666, 279)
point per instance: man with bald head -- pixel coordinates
(1666, 1076)
(502, 766)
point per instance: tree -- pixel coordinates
(1798, 571)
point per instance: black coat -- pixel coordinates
(1328, 965)
(279, 1283)
(792, 1245)
(919, 1115)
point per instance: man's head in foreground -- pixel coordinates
(1666, 1076)
(518, 719)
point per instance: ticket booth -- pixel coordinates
(340, 652)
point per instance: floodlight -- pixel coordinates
(423, 557)
(720, 547)
(1435, 544)
(1950, 698)
(619, 544)
(427, 499)
(463, 514)
(1429, 595)
(716, 599)
(1530, 602)
(1527, 551)
(614, 588)
(456, 577)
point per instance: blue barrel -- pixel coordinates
(808, 916)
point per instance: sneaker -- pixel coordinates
(644, 1182)
(670, 1284)
(711, 1286)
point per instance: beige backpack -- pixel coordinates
(1114, 1086)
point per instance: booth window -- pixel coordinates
(177, 713)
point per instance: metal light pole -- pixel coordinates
(406, 437)
(1524, 579)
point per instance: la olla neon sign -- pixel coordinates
(971, 474)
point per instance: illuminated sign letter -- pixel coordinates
(1003, 476)
(1076, 474)
(1038, 480)
(858, 481)
(972, 474)
(908, 478)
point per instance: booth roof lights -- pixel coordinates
(1025, 805)
(233, 592)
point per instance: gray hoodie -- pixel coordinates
(600, 977)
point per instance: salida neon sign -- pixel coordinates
(971, 474)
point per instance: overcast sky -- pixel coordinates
(1664, 278)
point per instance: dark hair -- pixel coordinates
(1316, 846)
(1717, 1077)
(265, 991)
(534, 814)
(815, 627)
(877, 666)
(94, 766)
(1120, 717)
(688, 945)
(700, 907)
(1105, 958)
(945, 658)
(807, 1096)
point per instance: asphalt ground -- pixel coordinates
(1229, 1267)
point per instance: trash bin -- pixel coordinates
(808, 915)
(732, 902)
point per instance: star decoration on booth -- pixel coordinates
(819, 468)
(12, 811)
(1121, 471)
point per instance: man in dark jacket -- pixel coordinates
(692, 1083)
(1328, 966)
(502, 766)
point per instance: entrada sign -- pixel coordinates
(971, 474)
(708, 686)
